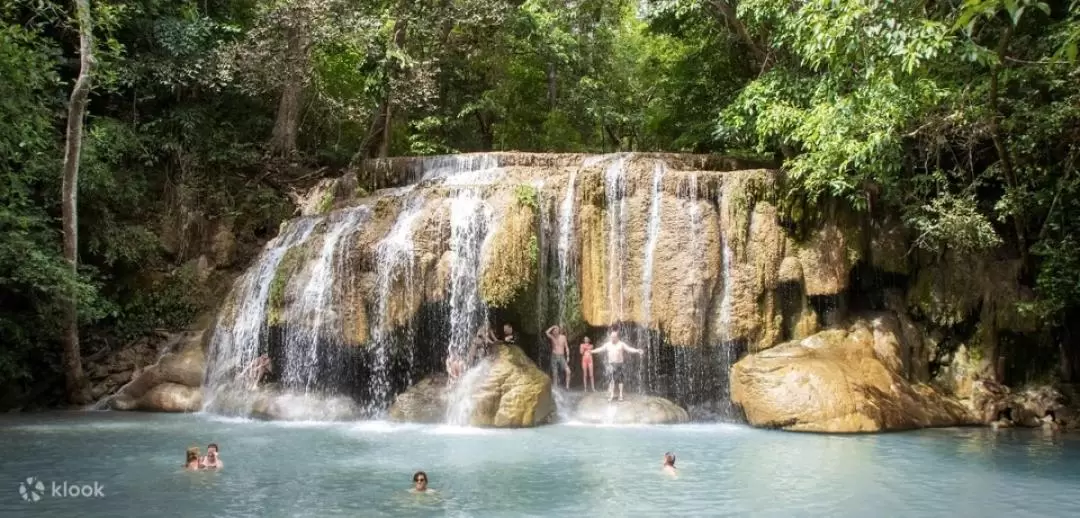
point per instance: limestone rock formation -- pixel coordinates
(841, 380)
(510, 392)
(595, 408)
(173, 384)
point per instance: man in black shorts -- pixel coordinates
(615, 365)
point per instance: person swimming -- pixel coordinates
(587, 376)
(191, 462)
(669, 464)
(420, 480)
(211, 460)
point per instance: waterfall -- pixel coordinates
(726, 353)
(685, 361)
(313, 321)
(566, 234)
(236, 343)
(469, 217)
(479, 168)
(542, 262)
(652, 353)
(395, 269)
(614, 196)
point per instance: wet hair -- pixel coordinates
(669, 457)
(214, 446)
(192, 454)
(587, 339)
(416, 476)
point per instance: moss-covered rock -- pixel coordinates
(510, 258)
(291, 262)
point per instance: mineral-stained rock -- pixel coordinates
(840, 380)
(179, 375)
(171, 397)
(510, 258)
(509, 392)
(1027, 407)
(635, 409)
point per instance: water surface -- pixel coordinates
(365, 468)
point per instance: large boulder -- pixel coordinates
(507, 390)
(594, 407)
(841, 380)
(173, 384)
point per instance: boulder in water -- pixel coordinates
(507, 390)
(594, 407)
(841, 380)
(166, 397)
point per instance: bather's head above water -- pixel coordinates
(669, 459)
(419, 481)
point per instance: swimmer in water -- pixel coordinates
(669, 464)
(420, 483)
(191, 462)
(587, 377)
(212, 460)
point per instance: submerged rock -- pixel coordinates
(507, 390)
(273, 406)
(594, 407)
(841, 380)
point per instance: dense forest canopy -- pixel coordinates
(962, 115)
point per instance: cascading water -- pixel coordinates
(395, 270)
(236, 343)
(313, 320)
(469, 221)
(614, 194)
(652, 352)
(566, 235)
(726, 355)
(684, 360)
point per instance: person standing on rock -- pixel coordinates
(614, 365)
(560, 355)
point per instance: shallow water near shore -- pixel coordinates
(302, 469)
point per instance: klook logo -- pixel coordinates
(32, 490)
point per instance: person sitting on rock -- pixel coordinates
(454, 367)
(211, 460)
(508, 334)
(481, 346)
(614, 364)
(257, 369)
(669, 464)
(191, 462)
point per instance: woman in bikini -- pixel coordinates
(586, 365)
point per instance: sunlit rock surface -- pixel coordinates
(841, 380)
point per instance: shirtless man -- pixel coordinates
(454, 367)
(481, 346)
(257, 369)
(211, 460)
(587, 377)
(614, 364)
(560, 355)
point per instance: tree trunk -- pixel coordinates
(287, 123)
(77, 390)
(727, 12)
(1002, 147)
(286, 126)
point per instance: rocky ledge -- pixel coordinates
(842, 380)
(594, 407)
(507, 390)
